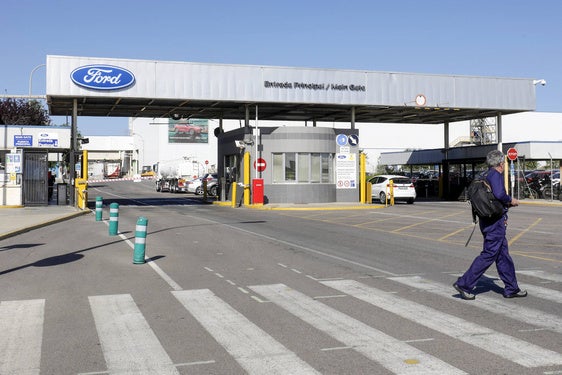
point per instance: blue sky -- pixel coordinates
(516, 38)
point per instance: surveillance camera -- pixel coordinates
(541, 81)
(239, 144)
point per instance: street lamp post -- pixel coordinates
(31, 77)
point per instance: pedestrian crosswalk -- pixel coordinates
(130, 346)
(127, 339)
(21, 330)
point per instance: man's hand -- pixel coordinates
(514, 202)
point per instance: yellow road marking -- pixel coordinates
(454, 233)
(535, 257)
(512, 241)
(426, 221)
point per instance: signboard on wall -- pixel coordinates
(188, 131)
(346, 171)
(23, 140)
(13, 163)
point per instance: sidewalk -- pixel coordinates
(16, 220)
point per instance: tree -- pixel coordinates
(23, 112)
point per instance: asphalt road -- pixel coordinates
(236, 290)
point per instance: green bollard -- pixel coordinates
(99, 208)
(113, 218)
(140, 240)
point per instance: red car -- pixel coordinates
(187, 129)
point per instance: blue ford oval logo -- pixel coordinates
(102, 77)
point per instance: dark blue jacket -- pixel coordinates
(496, 181)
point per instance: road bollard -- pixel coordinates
(113, 218)
(140, 240)
(99, 208)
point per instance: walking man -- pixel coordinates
(495, 248)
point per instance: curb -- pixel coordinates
(302, 208)
(43, 224)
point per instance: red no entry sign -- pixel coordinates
(260, 165)
(512, 154)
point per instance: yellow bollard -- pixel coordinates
(391, 192)
(233, 194)
(363, 179)
(81, 192)
(247, 179)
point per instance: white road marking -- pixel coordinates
(21, 333)
(129, 345)
(542, 275)
(540, 292)
(255, 350)
(391, 353)
(510, 348)
(297, 246)
(495, 304)
(155, 267)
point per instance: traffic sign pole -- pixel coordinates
(512, 155)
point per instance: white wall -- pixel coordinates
(373, 138)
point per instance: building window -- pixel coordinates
(290, 166)
(300, 167)
(303, 167)
(278, 173)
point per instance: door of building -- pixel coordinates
(35, 181)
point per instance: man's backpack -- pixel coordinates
(484, 203)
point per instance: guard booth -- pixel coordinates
(291, 164)
(29, 156)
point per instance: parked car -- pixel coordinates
(212, 183)
(195, 186)
(404, 189)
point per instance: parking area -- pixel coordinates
(534, 229)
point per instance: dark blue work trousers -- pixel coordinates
(495, 249)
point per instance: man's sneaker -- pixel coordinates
(519, 294)
(464, 295)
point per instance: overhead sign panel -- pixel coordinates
(125, 78)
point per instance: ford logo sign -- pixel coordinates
(102, 77)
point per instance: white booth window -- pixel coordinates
(302, 167)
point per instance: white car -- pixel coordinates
(404, 189)
(195, 186)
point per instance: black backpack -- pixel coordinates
(484, 204)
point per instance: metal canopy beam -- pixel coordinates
(161, 108)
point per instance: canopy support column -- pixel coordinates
(73, 131)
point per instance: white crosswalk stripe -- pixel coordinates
(538, 291)
(21, 333)
(255, 350)
(510, 348)
(129, 345)
(391, 353)
(557, 277)
(494, 304)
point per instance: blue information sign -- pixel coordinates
(341, 139)
(23, 140)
